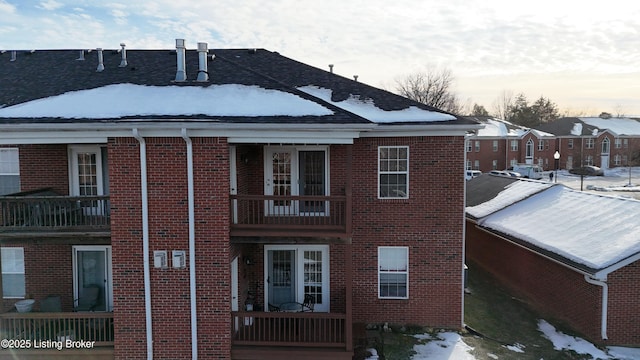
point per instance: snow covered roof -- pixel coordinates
(587, 231)
(591, 126)
(512, 193)
(245, 86)
(497, 128)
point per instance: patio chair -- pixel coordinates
(307, 304)
(89, 299)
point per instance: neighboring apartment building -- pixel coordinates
(196, 202)
(601, 141)
(501, 144)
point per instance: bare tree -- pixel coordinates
(433, 88)
(503, 104)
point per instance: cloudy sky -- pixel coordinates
(583, 55)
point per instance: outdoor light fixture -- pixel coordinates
(556, 156)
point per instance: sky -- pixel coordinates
(581, 55)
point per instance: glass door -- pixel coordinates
(312, 182)
(92, 278)
(279, 170)
(293, 271)
(88, 178)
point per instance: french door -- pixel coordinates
(293, 171)
(293, 271)
(89, 175)
(91, 269)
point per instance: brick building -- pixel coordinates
(197, 204)
(572, 255)
(500, 145)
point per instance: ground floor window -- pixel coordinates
(393, 272)
(13, 279)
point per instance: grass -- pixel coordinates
(492, 312)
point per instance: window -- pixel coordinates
(393, 172)
(477, 146)
(570, 143)
(540, 145)
(625, 143)
(9, 171)
(468, 145)
(605, 145)
(590, 142)
(569, 162)
(476, 164)
(494, 165)
(393, 272)
(468, 164)
(624, 160)
(514, 145)
(13, 284)
(617, 160)
(618, 143)
(589, 161)
(513, 162)
(529, 149)
(495, 145)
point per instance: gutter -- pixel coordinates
(605, 304)
(145, 240)
(192, 247)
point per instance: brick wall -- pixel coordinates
(44, 166)
(429, 223)
(624, 319)
(558, 293)
(48, 271)
(168, 230)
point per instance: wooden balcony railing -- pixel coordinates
(290, 329)
(283, 215)
(39, 327)
(47, 213)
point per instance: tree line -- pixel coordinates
(435, 88)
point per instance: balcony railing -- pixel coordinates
(290, 329)
(48, 213)
(253, 215)
(42, 327)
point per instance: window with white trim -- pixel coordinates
(590, 143)
(9, 171)
(570, 143)
(540, 145)
(514, 145)
(618, 143)
(495, 145)
(393, 272)
(13, 279)
(477, 146)
(476, 164)
(393, 172)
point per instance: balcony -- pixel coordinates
(265, 335)
(297, 216)
(43, 335)
(42, 214)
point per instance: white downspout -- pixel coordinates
(145, 241)
(605, 297)
(192, 247)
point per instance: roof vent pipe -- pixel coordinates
(123, 62)
(181, 73)
(100, 60)
(203, 73)
(13, 55)
(355, 77)
(331, 68)
(81, 56)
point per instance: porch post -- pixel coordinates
(348, 190)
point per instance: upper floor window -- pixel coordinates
(605, 146)
(514, 145)
(393, 172)
(9, 171)
(393, 272)
(13, 279)
(495, 145)
(570, 143)
(618, 143)
(540, 145)
(625, 143)
(590, 143)
(477, 146)
(469, 146)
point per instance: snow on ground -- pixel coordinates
(451, 346)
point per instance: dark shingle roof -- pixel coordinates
(565, 126)
(45, 73)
